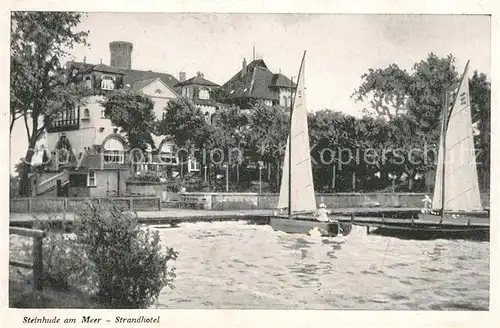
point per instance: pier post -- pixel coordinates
(37, 263)
(367, 230)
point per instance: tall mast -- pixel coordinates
(290, 153)
(445, 128)
(292, 101)
(446, 116)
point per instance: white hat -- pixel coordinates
(322, 205)
(426, 198)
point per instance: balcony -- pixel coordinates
(66, 121)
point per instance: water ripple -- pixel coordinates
(235, 265)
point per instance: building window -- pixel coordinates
(113, 151)
(204, 94)
(91, 179)
(88, 81)
(194, 165)
(107, 83)
(86, 114)
(114, 156)
(184, 92)
(167, 155)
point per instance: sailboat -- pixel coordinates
(456, 210)
(297, 186)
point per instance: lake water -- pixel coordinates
(238, 265)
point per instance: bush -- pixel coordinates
(193, 182)
(65, 263)
(130, 260)
(108, 255)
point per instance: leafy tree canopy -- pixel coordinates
(40, 88)
(134, 114)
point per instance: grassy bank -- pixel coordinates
(22, 295)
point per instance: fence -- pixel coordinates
(37, 265)
(70, 204)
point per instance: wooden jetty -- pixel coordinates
(167, 216)
(399, 222)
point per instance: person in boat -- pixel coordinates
(427, 205)
(322, 216)
(322, 213)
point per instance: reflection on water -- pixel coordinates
(235, 265)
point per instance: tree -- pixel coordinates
(480, 94)
(134, 114)
(413, 103)
(395, 92)
(387, 90)
(187, 125)
(40, 86)
(267, 137)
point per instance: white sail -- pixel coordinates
(461, 182)
(302, 187)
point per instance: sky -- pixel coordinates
(340, 47)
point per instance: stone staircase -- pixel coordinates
(50, 184)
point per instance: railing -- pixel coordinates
(52, 182)
(69, 204)
(37, 265)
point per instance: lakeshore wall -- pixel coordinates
(222, 201)
(71, 204)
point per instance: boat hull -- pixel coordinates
(431, 233)
(470, 226)
(304, 226)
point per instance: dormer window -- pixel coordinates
(88, 81)
(158, 91)
(107, 82)
(204, 94)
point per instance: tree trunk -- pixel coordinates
(278, 176)
(334, 173)
(24, 180)
(410, 184)
(354, 181)
(182, 167)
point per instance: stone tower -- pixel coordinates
(121, 54)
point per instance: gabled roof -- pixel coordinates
(280, 80)
(257, 82)
(198, 80)
(141, 84)
(84, 67)
(133, 75)
(107, 69)
(130, 75)
(250, 67)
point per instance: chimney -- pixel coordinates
(200, 74)
(182, 76)
(244, 68)
(121, 54)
